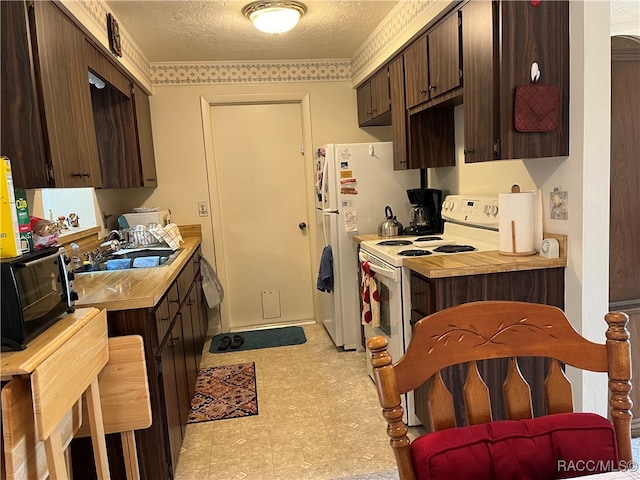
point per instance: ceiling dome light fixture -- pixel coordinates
(274, 17)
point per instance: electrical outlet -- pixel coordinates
(559, 204)
(202, 209)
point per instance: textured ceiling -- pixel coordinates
(204, 31)
(216, 30)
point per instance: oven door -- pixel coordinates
(388, 283)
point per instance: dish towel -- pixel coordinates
(325, 275)
(370, 297)
(169, 234)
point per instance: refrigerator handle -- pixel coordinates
(323, 187)
(324, 229)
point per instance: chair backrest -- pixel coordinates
(468, 333)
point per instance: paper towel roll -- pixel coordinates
(516, 225)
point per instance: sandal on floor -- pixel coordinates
(224, 343)
(237, 341)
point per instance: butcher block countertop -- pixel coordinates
(476, 263)
(134, 287)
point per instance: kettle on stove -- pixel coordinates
(391, 227)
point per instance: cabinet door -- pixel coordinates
(444, 56)
(432, 138)
(398, 114)
(114, 118)
(167, 376)
(161, 316)
(66, 98)
(364, 103)
(422, 297)
(531, 34)
(416, 73)
(477, 57)
(179, 359)
(145, 138)
(202, 307)
(189, 345)
(196, 323)
(19, 100)
(380, 102)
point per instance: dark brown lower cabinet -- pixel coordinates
(167, 368)
(431, 295)
(174, 333)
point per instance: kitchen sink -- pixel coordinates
(133, 258)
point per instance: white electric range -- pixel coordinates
(471, 225)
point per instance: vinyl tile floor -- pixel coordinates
(318, 418)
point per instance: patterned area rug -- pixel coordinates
(227, 391)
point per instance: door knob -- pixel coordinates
(302, 226)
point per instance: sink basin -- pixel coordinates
(126, 259)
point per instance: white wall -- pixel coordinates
(584, 175)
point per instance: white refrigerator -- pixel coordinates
(353, 185)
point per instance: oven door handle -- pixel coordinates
(391, 273)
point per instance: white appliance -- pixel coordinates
(157, 217)
(353, 184)
(471, 225)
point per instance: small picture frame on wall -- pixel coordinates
(113, 31)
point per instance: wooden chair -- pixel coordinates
(124, 396)
(475, 331)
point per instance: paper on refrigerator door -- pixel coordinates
(350, 221)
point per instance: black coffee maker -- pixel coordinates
(426, 211)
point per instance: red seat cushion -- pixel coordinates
(564, 445)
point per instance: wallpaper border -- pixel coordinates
(191, 73)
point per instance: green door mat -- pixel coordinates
(254, 339)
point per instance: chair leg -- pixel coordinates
(97, 430)
(130, 455)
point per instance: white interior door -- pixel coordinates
(260, 176)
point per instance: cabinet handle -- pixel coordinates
(82, 174)
(465, 151)
(423, 92)
(432, 87)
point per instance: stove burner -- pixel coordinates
(427, 239)
(414, 253)
(394, 243)
(454, 248)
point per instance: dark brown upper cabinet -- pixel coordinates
(20, 114)
(374, 104)
(424, 139)
(58, 129)
(398, 115)
(145, 138)
(445, 69)
(49, 62)
(500, 41)
(432, 62)
(416, 67)
(114, 120)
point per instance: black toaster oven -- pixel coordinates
(37, 288)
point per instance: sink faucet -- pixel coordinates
(104, 251)
(114, 235)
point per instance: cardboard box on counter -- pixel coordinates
(24, 221)
(9, 229)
